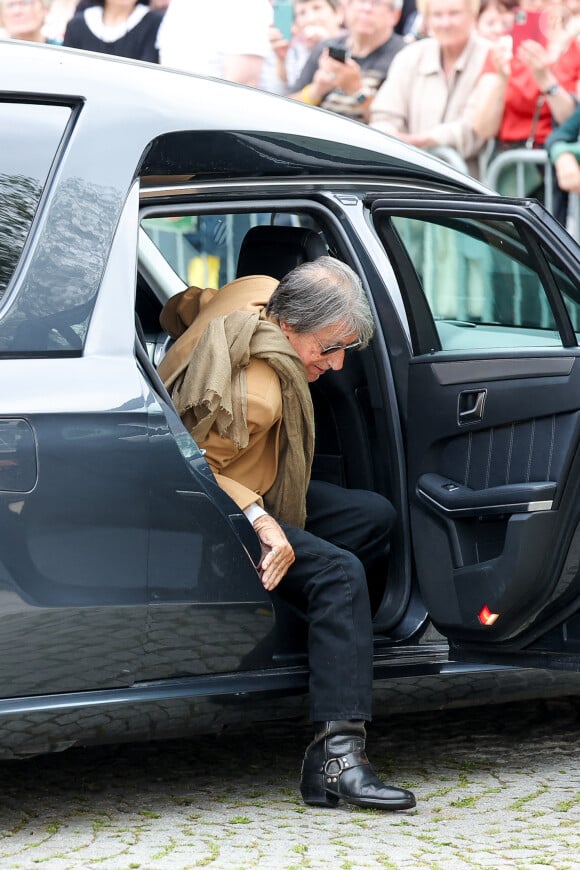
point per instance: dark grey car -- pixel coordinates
(130, 604)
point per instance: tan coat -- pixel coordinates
(244, 473)
(417, 97)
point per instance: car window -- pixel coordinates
(29, 138)
(479, 282)
(203, 249)
(568, 287)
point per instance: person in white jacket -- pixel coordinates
(226, 39)
(424, 99)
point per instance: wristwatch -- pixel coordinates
(553, 89)
(361, 96)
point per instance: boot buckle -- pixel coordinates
(334, 767)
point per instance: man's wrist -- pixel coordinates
(559, 148)
(551, 90)
(361, 96)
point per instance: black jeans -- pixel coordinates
(327, 583)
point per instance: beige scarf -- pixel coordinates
(213, 388)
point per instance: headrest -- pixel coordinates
(275, 250)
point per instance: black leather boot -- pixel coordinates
(336, 767)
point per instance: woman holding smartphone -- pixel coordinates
(526, 84)
(292, 41)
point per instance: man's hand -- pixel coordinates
(419, 140)
(568, 172)
(536, 57)
(278, 43)
(501, 55)
(333, 74)
(277, 554)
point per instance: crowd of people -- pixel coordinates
(451, 73)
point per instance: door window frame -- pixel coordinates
(424, 335)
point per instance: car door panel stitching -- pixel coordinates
(531, 450)
(468, 460)
(551, 452)
(489, 454)
(522, 451)
(509, 456)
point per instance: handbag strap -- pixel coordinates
(536, 117)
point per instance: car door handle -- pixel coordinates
(470, 406)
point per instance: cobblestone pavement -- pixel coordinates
(497, 787)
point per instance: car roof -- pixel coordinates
(207, 128)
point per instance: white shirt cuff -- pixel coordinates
(253, 511)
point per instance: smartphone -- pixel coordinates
(529, 24)
(338, 52)
(284, 19)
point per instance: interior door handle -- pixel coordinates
(470, 406)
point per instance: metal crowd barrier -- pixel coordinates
(451, 156)
(516, 159)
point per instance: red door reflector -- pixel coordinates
(486, 617)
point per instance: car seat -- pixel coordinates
(275, 250)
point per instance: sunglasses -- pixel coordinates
(334, 348)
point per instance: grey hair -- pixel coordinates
(321, 293)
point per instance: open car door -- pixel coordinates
(493, 419)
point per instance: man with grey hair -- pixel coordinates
(238, 374)
(348, 84)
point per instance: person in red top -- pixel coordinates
(525, 88)
(518, 96)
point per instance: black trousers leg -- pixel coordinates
(328, 583)
(354, 519)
